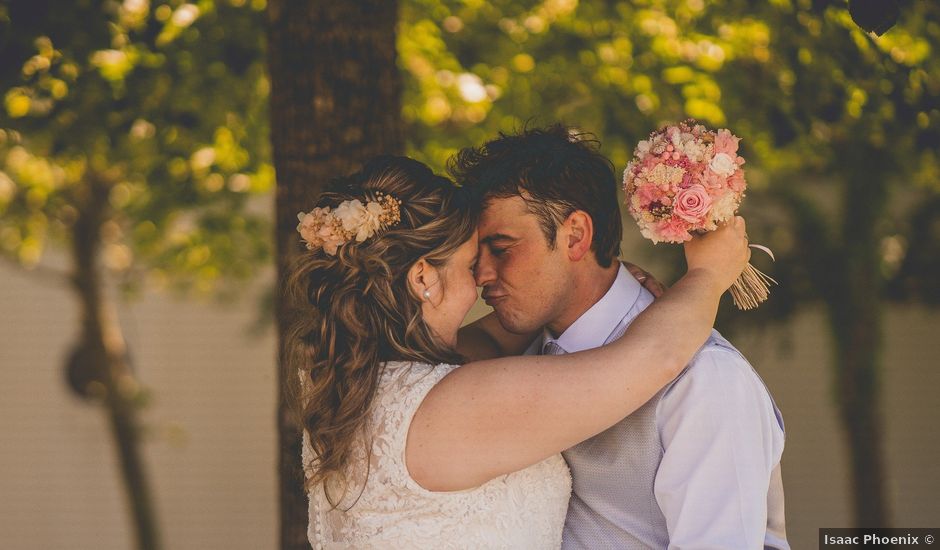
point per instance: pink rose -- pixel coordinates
(692, 204)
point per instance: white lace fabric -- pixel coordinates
(524, 509)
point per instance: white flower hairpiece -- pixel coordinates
(331, 228)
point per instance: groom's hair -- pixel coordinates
(556, 170)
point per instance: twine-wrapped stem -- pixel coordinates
(751, 289)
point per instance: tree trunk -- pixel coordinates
(335, 102)
(104, 356)
(855, 309)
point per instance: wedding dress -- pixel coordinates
(388, 509)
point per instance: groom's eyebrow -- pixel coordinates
(489, 239)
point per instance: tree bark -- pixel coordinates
(104, 355)
(335, 102)
(855, 312)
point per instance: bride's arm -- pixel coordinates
(493, 417)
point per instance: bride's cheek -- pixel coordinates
(471, 290)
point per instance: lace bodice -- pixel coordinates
(524, 509)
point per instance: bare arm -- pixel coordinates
(497, 416)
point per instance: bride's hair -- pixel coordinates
(350, 312)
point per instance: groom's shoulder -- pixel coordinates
(721, 348)
(718, 359)
(719, 377)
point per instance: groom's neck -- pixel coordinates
(588, 285)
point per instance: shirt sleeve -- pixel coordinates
(721, 440)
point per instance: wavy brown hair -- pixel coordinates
(353, 311)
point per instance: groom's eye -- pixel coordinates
(498, 251)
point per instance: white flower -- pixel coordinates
(723, 165)
(724, 207)
(676, 138)
(350, 213)
(372, 222)
(627, 172)
(693, 149)
(358, 218)
(643, 147)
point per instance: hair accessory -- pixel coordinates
(331, 228)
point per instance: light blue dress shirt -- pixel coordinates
(696, 467)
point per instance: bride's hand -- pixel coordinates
(646, 279)
(722, 253)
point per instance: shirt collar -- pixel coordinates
(595, 325)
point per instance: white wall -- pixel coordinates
(212, 452)
(212, 444)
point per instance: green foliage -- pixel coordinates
(164, 104)
(811, 94)
(167, 102)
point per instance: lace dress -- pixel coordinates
(524, 509)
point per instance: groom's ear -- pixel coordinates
(578, 234)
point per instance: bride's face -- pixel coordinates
(452, 297)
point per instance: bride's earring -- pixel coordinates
(427, 294)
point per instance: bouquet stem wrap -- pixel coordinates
(752, 288)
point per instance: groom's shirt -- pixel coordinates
(697, 466)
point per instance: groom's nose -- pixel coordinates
(485, 272)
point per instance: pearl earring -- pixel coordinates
(427, 294)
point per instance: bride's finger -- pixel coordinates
(636, 271)
(655, 287)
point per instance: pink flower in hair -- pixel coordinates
(350, 220)
(330, 239)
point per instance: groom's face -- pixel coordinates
(523, 278)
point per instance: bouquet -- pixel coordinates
(686, 179)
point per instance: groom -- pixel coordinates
(697, 466)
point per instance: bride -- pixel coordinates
(404, 445)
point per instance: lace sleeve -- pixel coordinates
(403, 390)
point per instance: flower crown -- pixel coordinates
(331, 228)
